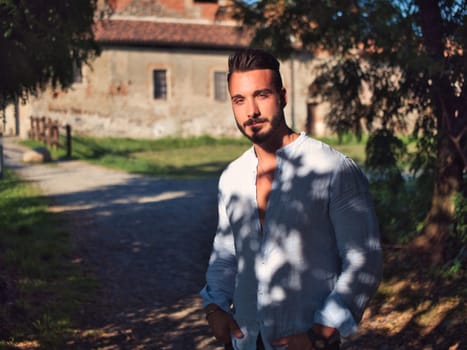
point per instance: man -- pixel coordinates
(296, 255)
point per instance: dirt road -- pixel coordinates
(147, 241)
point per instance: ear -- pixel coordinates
(283, 97)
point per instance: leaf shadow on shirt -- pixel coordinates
(317, 256)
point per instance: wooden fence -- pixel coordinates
(48, 131)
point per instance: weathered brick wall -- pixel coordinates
(116, 96)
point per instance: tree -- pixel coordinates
(412, 55)
(43, 42)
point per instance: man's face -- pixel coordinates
(257, 104)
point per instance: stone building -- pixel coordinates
(162, 72)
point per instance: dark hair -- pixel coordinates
(251, 59)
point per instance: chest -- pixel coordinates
(264, 181)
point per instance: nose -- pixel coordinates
(253, 110)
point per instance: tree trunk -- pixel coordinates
(432, 241)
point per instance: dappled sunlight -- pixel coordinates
(316, 254)
(411, 308)
(421, 322)
(434, 315)
(25, 345)
(162, 197)
(180, 325)
(98, 204)
(392, 322)
(357, 261)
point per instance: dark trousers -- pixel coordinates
(259, 343)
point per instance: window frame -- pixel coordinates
(163, 94)
(219, 79)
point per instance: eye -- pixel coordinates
(237, 100)
(263, 94)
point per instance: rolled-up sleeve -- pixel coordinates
(222, 269)
(357, 237)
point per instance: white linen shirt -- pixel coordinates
(317, 258)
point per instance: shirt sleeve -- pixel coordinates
(222, 269)
(357, 236)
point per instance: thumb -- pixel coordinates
(235, 329)
(280, 342)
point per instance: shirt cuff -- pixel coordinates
(335, 314)
(211, 298)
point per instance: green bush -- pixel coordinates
(460, 226)
(402, 199)
(400, 206)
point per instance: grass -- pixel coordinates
(193, 157)
(40, 288)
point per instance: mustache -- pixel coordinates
(253, 121)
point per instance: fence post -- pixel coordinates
(47, 131)
(43, 130)
(31, 128)
(68, 141)
(37, 130)
(54, 134)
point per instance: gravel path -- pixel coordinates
(148, 242)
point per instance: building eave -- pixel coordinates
(171, 35)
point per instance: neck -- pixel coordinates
(269, 148)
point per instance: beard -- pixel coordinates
(264, 131)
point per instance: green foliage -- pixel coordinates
(460, 229)
(408, 55)
(402, 199)
(424, 133)
(384, 150)
(391, 195)
(388, 60)
(334, 25)
(401, 204)
(338, 82)
(40, 288)
(458, 240)
(372, 45)
(42, 42)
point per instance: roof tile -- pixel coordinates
(152, 33)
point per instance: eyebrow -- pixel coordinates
(255, 93)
